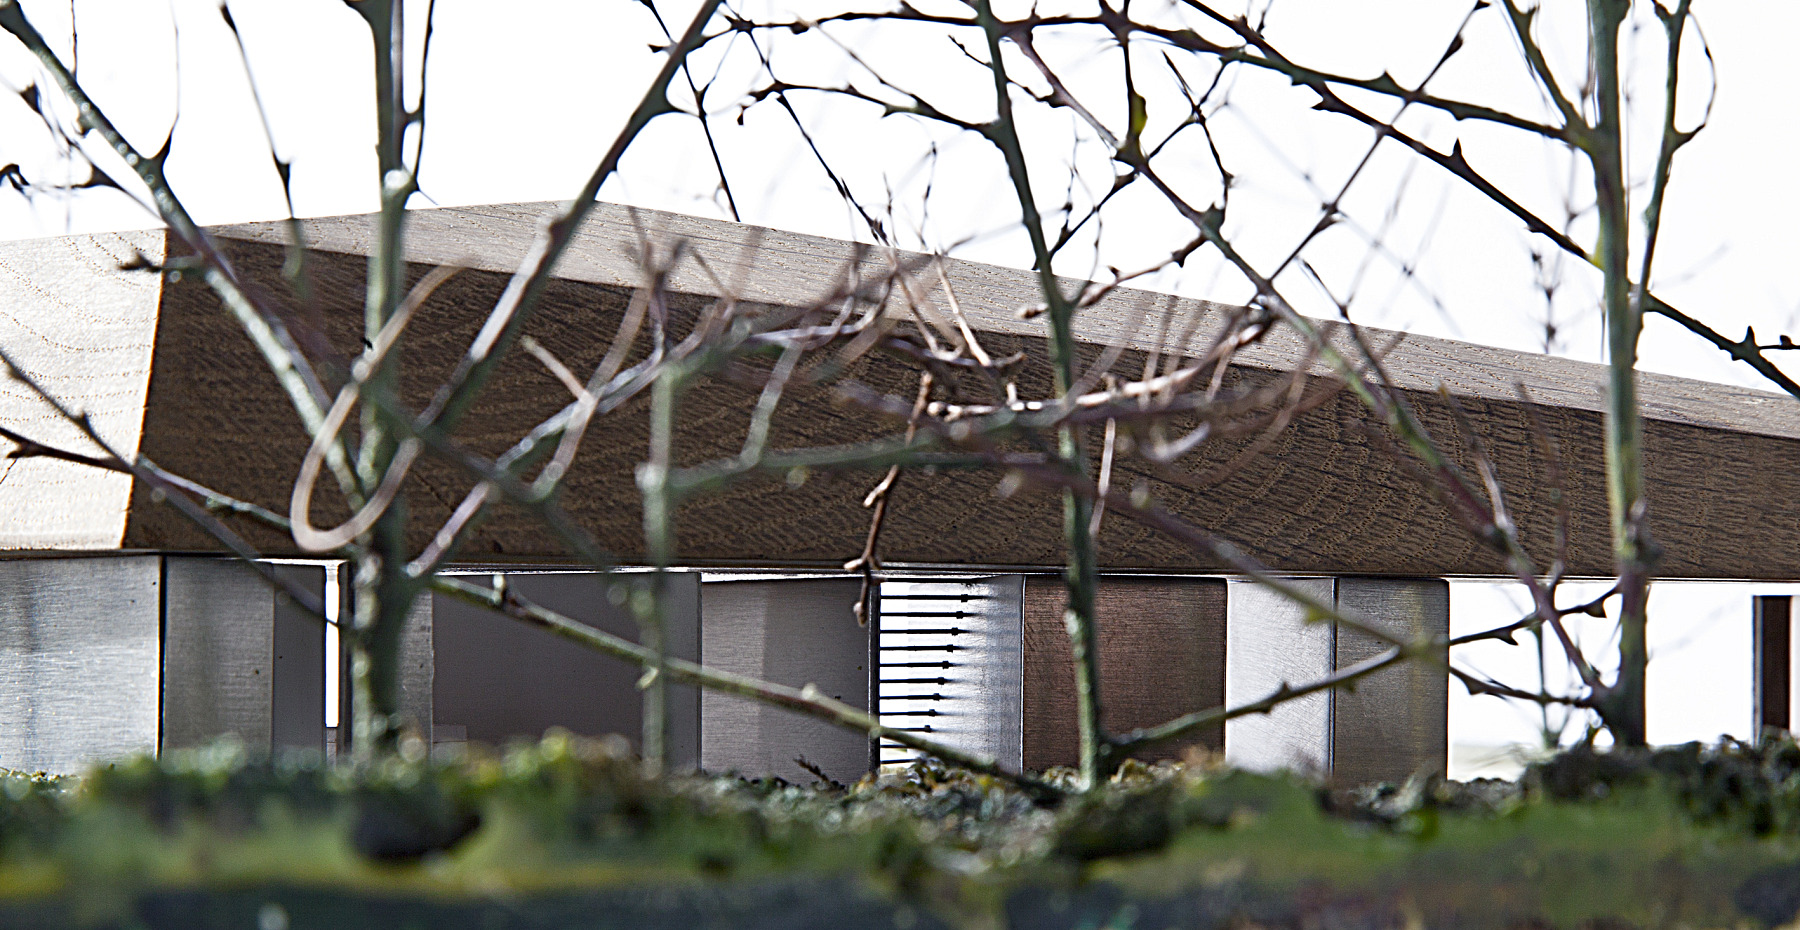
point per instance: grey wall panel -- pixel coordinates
(298, 711)
(240, 658)
(79, 660)
(1267, 643)
(1395, 722)
(1391, 725)
(792, 632)
(501, 680)
(218, 655)
(418, 666)
(683, 638)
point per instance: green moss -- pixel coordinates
(1681, 837)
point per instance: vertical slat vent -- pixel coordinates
(948, 664)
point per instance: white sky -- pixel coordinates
(525, 95)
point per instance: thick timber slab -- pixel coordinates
(191, 393)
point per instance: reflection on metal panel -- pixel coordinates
(1395, 722)
(238, 658)
(498, 680)
(218, 672)
(79, 660)
(794, 632)
(951, 664)
(1771, 661)
(299, 691)
(1268, 643)
(418, 666)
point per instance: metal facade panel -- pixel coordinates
(953, 663)
(500, 680)
(1389, 726)
(1394, 723)
(80, 667)
(418, 666)
(792, 632)
(218, 655)
(239, 658)
(1268, 643)
(297, 717)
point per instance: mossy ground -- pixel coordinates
(571, 833)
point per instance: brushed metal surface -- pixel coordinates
(298, 711)
(1162, 654)
(1395, 723)
(976, 703)
(792, 632)
(240, 659)
(418, 666)
(218, 653)
(80, 663)
(1267, 643)
(1391, 725)
(498, 680)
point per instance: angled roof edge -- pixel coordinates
(774, 266)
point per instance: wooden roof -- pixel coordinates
(165, 372)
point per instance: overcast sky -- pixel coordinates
(524, 95)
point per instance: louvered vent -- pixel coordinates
(949, 664)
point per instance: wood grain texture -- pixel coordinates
(1771, 661)
(84, 330)
(1162, 654)
(1324, 498)
(783, 268)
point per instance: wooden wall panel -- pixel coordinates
(84, 330)
(1162, 654)
(1771, 662)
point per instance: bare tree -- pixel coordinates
(967, 404)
